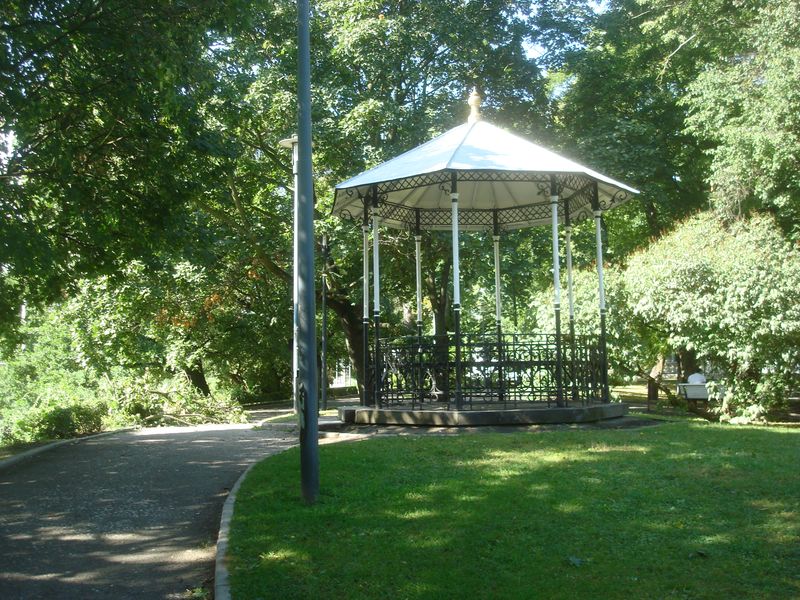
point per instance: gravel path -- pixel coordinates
(130, 515)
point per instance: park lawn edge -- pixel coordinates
(684, 509)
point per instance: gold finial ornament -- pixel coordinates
(474, 106)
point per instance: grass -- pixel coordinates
(681, 510)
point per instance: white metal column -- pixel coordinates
(556, 254)
(456, 289)
(365, 312)
(376, 267)
(365, 233)
(376, 304)
(456, 264)
(557, 294)
(498, 307)
(418, 260)
(571, 302)
(598, 228)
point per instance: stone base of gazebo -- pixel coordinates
(365, 415)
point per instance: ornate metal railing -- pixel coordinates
(499, 371)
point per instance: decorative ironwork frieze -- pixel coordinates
(577, 190)
(512, 370)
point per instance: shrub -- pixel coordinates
(728, 292)
(57, 422)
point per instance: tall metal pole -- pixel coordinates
(570, 302)
(498, 307)
(323, 355)
(420, 396)
(418, 265)
(307, 347)
(557, 286)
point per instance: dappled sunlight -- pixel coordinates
(715, 539)
(284, 555)
(540, 488)
(161, 431)
(569, 507)
(692, 455)
(469, 497)
(602, 448)
(592, 480)
(418, 513)
(781, 520)
(554, 510)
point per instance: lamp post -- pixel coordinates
(306, 318)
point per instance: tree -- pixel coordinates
(728, 293)
(101, 114)
(621, 108)
(745, 101)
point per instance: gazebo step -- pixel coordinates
(470, 418)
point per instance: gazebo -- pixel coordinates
(479, 177)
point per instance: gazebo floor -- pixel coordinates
(443, 417)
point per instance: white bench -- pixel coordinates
(693, 391)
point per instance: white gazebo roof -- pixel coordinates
(503, 181)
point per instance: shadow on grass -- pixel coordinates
(683, 510)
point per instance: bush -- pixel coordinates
(726, 292)
(47, 391)
(68, 421)
(729, 293)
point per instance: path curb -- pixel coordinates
(222, 586)
(23, 456)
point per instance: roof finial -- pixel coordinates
(474, 106)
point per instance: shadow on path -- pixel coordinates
(132, 515)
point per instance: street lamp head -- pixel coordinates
(288, 142)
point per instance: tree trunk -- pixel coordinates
(350, 316)
(651, 216)
(688, 362)
(437, 289)
(657, 372)
(197, 378)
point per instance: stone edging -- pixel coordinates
(222, 588)
(22, 456)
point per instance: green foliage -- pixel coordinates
(745, 100)
(49, 389)
(725, 292)
(619, 110)
(634, 344)
(141, 182)
(103, 104)
(748, 107)
(729, 293)
(67, 421)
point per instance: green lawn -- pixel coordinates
(681, 510)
